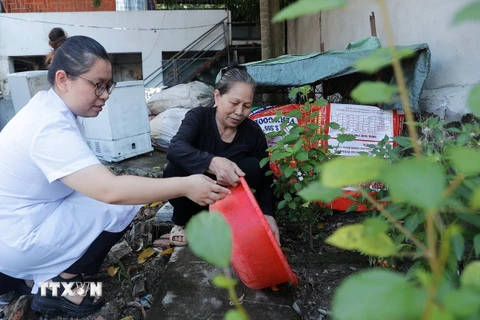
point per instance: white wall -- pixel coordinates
(25, 34)
(455, 49)
(303, 34)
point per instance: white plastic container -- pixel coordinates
(122, 129)
(24, 85)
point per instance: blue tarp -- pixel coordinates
(298, 70)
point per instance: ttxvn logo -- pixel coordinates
(72, 288)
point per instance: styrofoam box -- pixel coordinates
(122, 129)
(24, 85)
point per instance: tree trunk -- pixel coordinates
(265, 29)
(277, 31)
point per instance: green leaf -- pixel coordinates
(222, 281)
(462, 302)
(354, 237)
(458, 244)
(476, 245)
(470, 218)
(290, 138)
(412, 222)
(313, 126)
(280, 155)
(210, 238)
(302, 156)
(321, 102)
(469, 13)
(297, 146)
(466, 160)
(420, 182)
(288, 197)
(264, 161)
(455, 130)
(381, 58)
(334, 125)
(282, 204)
(305, 7)
(377, 294)
(474, 100)
(351, 208)
(403, 141)
(297, 129)
(375, 226)
(441, 314)
(373, 92)
(342, 137)
(316, 191)
(298, 186)
(288, 172)
(294, 113)
(274, 134)
(471, 276)
(235, 314)
(306, 168)
(293, 93)
(341, 172)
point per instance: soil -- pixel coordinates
(322, 268)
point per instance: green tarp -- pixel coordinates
(297, 70)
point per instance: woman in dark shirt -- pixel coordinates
(222, 142)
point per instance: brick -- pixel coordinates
(56, 5)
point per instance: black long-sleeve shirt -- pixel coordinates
(198, 141)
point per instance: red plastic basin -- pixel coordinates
(257, 258)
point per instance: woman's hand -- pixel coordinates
(273, 226)
(226, 171)
(203, 190)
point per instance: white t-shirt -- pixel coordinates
(45, 226)
(41, 144)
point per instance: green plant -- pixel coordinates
(210, 238)
(433, 189)
(436, 140)
(96, 3)
(297, 155)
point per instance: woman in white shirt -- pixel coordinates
(60, 209)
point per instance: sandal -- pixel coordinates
(178, 231)
(52, 305)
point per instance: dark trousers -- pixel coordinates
(184, 208)
(89, 262)
(93, 258)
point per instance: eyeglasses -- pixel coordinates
(100, 87)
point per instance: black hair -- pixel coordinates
(232, 75)
(74, 55)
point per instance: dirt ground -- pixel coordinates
(322, 269)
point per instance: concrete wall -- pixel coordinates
(455, 49)
(303, 34)
(26, 34)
